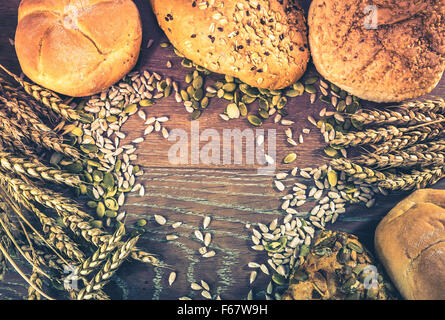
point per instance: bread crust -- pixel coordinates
(264, 45)
(403, 58)
(77, 48)
(410, 242)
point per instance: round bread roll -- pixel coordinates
(389, 51)
(410, 242)
(263, 43)
(77, 47)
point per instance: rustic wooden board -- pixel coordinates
(231, 194)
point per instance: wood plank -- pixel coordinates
(231, 194)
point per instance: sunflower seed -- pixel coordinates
(176, 224)
(198, 235)
(209, 254)
(260, 140)
(269, 159)
(253, 265)
(171, 278)
(171, 237)
(207, 239)
(205, 285)
(252, 277)
(160, 219)
(264, 269)
(195, 286)
(206, 222)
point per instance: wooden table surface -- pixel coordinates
(232, 195)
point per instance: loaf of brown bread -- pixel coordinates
(410, 242)
(263, 43)
(383, 50)
(77, 47)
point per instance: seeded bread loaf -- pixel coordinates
(77, 47)
(263, 43)
(410, 242)
(384, 50)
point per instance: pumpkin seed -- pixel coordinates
(111, 204)
(131, 108)
(195, 114)
(311, 80)
(331, 152)
(100, 210)
(276, 246)
(242, 108)
(291, 157)
(310, 89)
(141, 222)
(254, 120)
(332, 178)
(279, 279)
(229, 87)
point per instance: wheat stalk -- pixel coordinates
(4, 240)
(56, 236)
(13, 129)
(434, 106)
(41, 195)
(37, 170)
(21, 273)
(401, 159)
(370, 136)
(46, 97)
(22, 98)
(431, 146)
(32, 293)
(356, 171)
(101, 254)
(403, 117)
(414, 180)
(108, 270)
(408, 139)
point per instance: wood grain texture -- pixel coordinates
(231, 194)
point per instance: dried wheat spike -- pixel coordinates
(401, 117)
(22, 134)
(414, 180)
(358, 172)
(33, 168)
(46, 97)
(401, 159)
(435, 106)
(408, 139)
(108, 270)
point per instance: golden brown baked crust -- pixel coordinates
(264, 45)
(403, 58)
(75, 47)
(410, 242)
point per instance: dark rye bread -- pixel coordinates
(263, 43)
(403, 58)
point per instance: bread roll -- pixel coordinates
(410, 242)
(77, 47)
(263, 43)
(402, 58)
